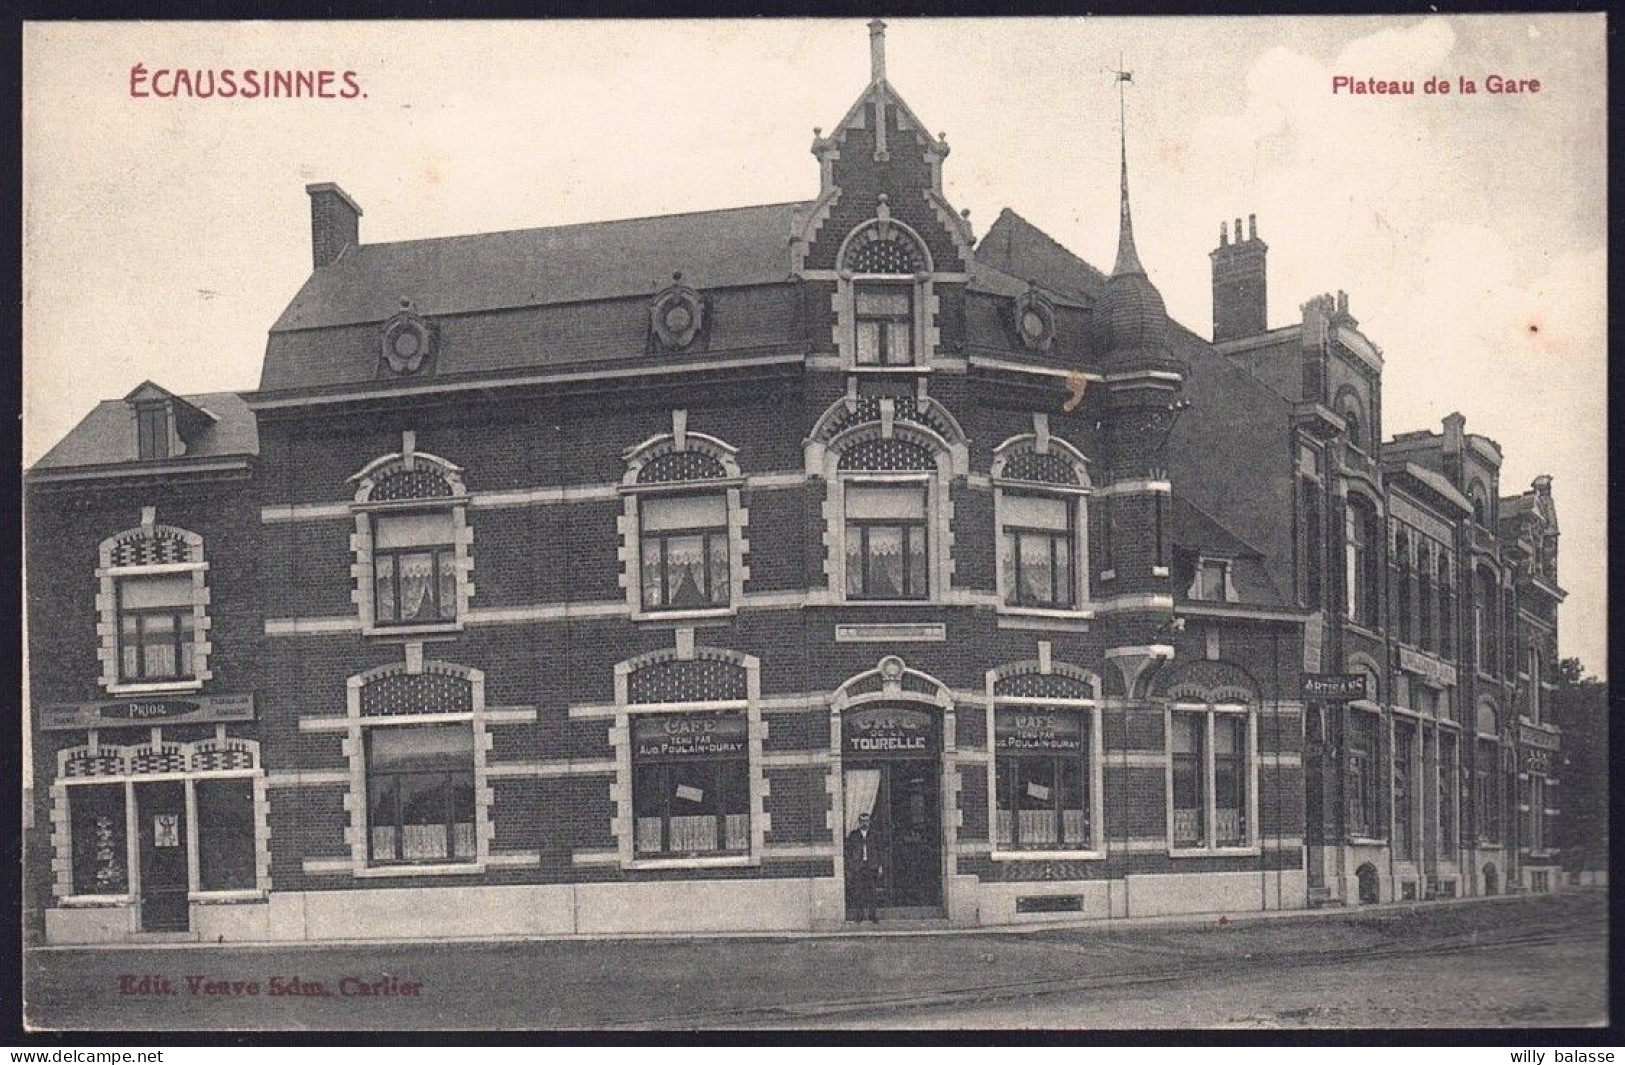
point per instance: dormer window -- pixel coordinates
(884, 317)
(884, 300)
(152, 430)
(1211, 582)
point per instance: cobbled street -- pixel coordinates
(1532, 961)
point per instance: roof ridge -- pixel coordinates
(1025, 221)
(1240, 539)
(582, 225)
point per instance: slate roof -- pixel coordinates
(1018, 248)
(107, 434)
(1197, 531)
(552, 265)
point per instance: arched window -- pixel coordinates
(1045, 788)
(884, 296)
(1040, 508)
(414, 570)
(418, 742)
(888, 464)
(153, 602)
(690, 786)
(1486, 620)
(1362, 579)
(1481, 502)
(683, 526)
(1211, 726)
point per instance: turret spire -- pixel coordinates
(1128, 259)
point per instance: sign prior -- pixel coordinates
(1440, 673)
(1333, 687)
(884, 730)
(1037, 730)
(688, 735)
(116, 713)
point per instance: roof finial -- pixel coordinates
(1128, 260)
(877, 51)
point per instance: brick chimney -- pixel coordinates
(335, 222)
(1239, 305)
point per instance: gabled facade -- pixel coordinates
(596, 578)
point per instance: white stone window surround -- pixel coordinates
(354, 746)
(630, 526)
(108, 576)
(1212, 705)
(924, 301)
(62, 818)
(1229, 591)
(623, 823)
(1040, 442)
(361, 541)
(951, 460)
(1096, 753)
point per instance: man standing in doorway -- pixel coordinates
(863, 869)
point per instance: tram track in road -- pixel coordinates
(811, 1012)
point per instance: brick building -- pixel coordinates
(529, 595)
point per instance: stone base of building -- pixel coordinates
(699, 907)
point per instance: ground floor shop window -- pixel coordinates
(1363, 800)
(225, 834)
(690, 784)
(1210, 778)
(1448, 790)
(100, 845)
(1404, 790)
(420, 794)
(1487, 794)
(1537, 814)
(1043, 777)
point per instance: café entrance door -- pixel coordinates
(893, 772)
(161, 810)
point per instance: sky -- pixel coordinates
(162, 237)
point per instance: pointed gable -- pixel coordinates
(880, 147)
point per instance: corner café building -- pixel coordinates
(527, 596)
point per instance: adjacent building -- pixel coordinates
(595, 578)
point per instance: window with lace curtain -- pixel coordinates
(1210, 777)
(690, 785)
(1043, 776)
(1039, 542)
(414, 568)
(886, 541)
(420, 794)
(684, 542)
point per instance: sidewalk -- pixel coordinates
(865, 977)
(857, 930)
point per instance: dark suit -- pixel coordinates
(863, 872)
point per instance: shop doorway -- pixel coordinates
(161, 824)
(892, 770)
(1366, 875)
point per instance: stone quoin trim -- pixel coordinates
(681, 462)
(1081, 690)
(414, 482)
(150, 550)
(747, 700)
(219, 757)
(467, 706)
